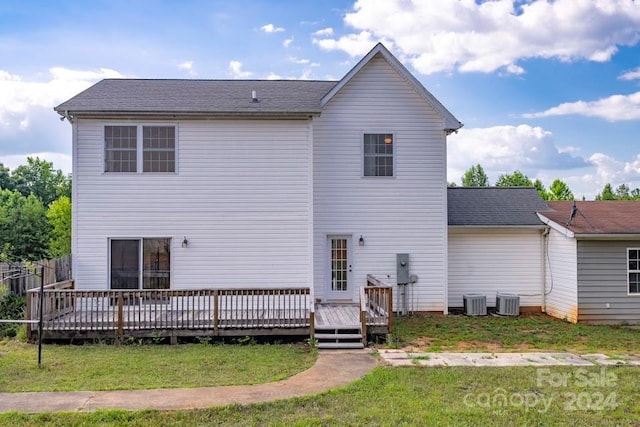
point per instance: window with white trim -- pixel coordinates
(159, 148)
(378, 154)
(120, 148)
(140, 148)
(633, 266)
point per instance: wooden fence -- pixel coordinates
(20, 277)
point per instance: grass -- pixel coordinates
(111, 367)
(529, 332)
(415, 396)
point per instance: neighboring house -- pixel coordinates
(192, 184)
(495, 244)
(593, 261)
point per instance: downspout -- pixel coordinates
(545, 246)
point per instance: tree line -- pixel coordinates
(475, 176)
(35, 212)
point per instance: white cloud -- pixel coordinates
(613, 108)
(631, 75)
(274, 76)
(287, 42)
(503, 149)
(270, 28)
(27, 121)
(236, 71)
(299, 60)
(188, 67)
(325, 32)
(471, 36)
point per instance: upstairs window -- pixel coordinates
(140, 149)
(378, 154)
(159, 148)
(120, 148)
(633, 265)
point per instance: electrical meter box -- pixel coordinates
(402, 268)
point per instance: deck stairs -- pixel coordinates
(338, 327)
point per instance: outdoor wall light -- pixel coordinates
(361, 241)
(185, 242)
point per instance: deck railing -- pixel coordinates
(67, 309)
(376, 300)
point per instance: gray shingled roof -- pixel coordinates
(494, 206)
(199, 96)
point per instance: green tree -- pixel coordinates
(539, 186)
(59, 217)
(607, 193)
(516, 179)
(24, 229)
(559, 190)
(622, 192)
(39, 178)
(5, 178)
(635, 194)
(475, 177)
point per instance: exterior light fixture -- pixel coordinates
(388, 139)
(361, 241)
(185, 242)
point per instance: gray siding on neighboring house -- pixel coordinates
(602, 280)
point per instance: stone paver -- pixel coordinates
(400, 358)
(333, 368)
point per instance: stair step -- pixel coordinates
(336, 345)
(338, 336)
(336, 327)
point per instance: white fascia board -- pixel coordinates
(560, 229)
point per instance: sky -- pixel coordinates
(550, 88)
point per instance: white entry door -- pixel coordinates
(339, 286)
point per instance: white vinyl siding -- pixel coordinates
(489, 261)
(406, 214)
(241, 199)
(561, 276)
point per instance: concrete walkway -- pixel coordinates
(403, 358)
(335, 368)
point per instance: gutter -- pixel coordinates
(191, 114)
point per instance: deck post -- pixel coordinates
(215, 310)
(120, 323)
(390, 310)
(312, 324)
(27, 315)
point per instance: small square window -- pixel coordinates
(633, 273)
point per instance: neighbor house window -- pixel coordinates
(140, 148)
(120, 148)
(378, 154)
(140, 263)
(633, 263)
(159, 148)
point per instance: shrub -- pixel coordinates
(11, 308)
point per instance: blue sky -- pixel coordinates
(549, 88)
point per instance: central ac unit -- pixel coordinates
(475, 304)
(507, 304)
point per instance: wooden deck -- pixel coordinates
(69, 313)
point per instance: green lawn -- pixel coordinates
(529, 332)
(111, 367)
(416, 396)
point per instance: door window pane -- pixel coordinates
(125, 264)
(156, 263)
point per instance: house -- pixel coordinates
(249, 184)
(495, 244)
(592, 264)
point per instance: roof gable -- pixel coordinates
(451, 123)
(494, 206)
(596, 217)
